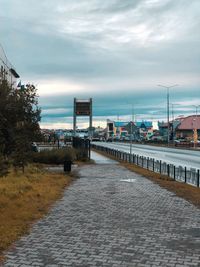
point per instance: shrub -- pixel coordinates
(4, 165)
(55, 156)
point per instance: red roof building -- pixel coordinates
(187, 127)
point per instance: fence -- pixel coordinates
(180, 173)
(83, 145)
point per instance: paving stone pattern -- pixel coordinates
(105, 221)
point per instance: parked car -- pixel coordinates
(34, 147)
(178, 141)
(192, 141)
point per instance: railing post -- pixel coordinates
(147, 163)
(197, 178)
(160, 167)
(174, 172)
(168, 170)
(142, 161)
(185, 174)
(153, 165)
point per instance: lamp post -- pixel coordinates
(131, 127)
(173, 104)
(168, 127)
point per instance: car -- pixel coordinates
(178, 141)
(197, 141)
(34, 147)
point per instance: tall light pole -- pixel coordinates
(173, 104)
(131, 127)
(168, 127)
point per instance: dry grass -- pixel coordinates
(186, 191)
(24, 198)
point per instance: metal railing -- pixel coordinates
(178, 173)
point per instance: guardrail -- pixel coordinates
(181, 173)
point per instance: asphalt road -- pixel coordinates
(178, 157)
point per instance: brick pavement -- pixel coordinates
(114, 218)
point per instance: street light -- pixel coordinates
(168, 128)
(131, 125)
(173, 105)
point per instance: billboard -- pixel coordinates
(83, 107)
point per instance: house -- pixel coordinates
(7, 71)
(116, 129)
(145, 129)
(188, 127)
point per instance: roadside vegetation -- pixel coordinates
(27, 188)
(19, 125)
(186, 191)
(55, 156)
(26, 197)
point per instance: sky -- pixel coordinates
(114, 51)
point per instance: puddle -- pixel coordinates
(128, 180)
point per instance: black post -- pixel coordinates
(174, 172)
(197, 178)
(142, 161)
(185, 174)
(153, 165)
(160, 167)
(147, 163)
(168, 170)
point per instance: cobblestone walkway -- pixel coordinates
(112, 217)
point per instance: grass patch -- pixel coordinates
(25, 198)
(186, 191)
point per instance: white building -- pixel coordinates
(7, 71)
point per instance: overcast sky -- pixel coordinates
(115, 51)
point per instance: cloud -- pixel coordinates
(104, 49)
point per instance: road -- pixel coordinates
(178, 157)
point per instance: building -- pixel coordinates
(140, 130)
(7, 71)
(145, 129)
(116, 129)
(188, 127)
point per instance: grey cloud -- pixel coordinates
(111, 46)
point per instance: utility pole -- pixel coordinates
(168, 125)
(173, 104)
